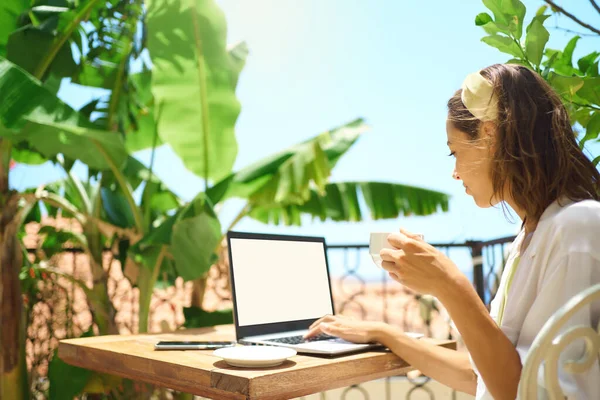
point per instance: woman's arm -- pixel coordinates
(425, 269)
(450, 367)
(494, 355)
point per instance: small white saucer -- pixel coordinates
(254, 356)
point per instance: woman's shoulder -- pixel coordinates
(576, 225)
(580, 214)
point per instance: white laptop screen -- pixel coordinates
(279, 280)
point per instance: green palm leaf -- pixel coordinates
(31, 113)
(193, 81)
(290, 175)
(341, 202)
(110, 41)
(192, 235)
(10, 11)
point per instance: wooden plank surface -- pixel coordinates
(201, 373)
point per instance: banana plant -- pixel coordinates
(294, 182)
(34, 123)
(193, 80)
(191, 106)
(130, 109)
(35, 127)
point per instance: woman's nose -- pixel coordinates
(455, 174)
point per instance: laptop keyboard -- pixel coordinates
(300, 339)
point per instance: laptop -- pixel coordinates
(280, 285)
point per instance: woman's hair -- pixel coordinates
(536, 155)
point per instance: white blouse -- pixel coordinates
(562, 259)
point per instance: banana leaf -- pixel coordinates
(193, 81)
(30, 113)
(10, 12)
(341, 202)
(192, 234)
(289, 177)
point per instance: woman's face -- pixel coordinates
(472, 165)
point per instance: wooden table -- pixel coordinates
(199, 372)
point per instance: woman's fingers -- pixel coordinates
(403, 242)
(414, 236)
(316, 327)
(324, 318)
(330, 329)
(392, 269)
(387, 254)
(313, 332)
(389, 266)
(391, 255)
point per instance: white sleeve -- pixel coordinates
(563, 279)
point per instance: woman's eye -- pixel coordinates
(452, 154)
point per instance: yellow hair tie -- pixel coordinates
(478, 96)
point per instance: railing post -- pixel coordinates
(477, 259)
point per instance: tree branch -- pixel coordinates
(595, 5)
(593, 107)
(559, 28)
(571, 16)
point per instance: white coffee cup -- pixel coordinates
(378, 241)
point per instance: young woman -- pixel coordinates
(514, 144)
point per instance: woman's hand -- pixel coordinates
(418, 265)
(349, 329)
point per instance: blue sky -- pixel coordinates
(316, 64)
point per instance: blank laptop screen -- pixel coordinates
(279, 280)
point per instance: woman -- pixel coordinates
(513, 144)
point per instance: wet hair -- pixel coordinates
(536, 156)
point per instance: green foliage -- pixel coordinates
(110, 43)
(193, 242)
(116, 207)
(284, 186)
(113, 45)
(537, 37)
(139, 114)
(66, 381)
(10, 13)
(193, 81)
(565, 86)
(340, 202)
(504, 44)
(198, 318)
(55, 240)
(289, 175)
(593, 128)
(578, 86)
(192, 235)
(188, 101)
(28, 46)
(589, 64)
(41, 45)
(31, 114)
(24, 154)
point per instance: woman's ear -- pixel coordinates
(489, 129)
(488, 133)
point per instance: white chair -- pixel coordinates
(550, 343)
